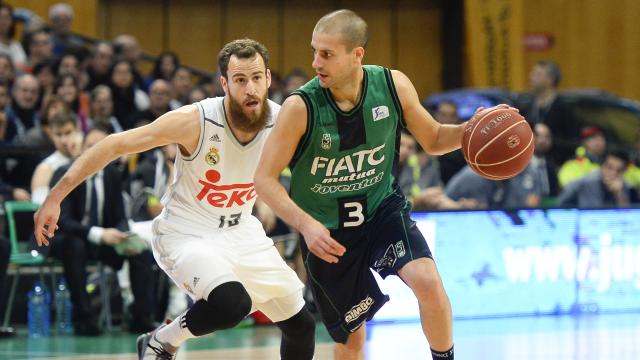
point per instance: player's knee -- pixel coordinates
(231, 301)
(225, 307)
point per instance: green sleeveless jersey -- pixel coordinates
(343, 167)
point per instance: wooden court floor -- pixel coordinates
(588, 337)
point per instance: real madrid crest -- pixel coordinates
(326, 142)
(213, 156)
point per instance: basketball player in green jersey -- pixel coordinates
(340, 134)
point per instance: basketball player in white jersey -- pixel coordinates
(206, 239)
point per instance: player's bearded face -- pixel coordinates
(250, 113)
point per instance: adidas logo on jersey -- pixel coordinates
(215, 138)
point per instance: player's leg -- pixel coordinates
(353, 349)
(206, 274)
(275, 290)
(400, 249)
(422, 276)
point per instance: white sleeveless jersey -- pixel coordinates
(213, 188)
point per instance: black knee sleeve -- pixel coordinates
(225, 307)
(298, 336)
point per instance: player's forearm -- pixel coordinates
(90, 162)
(449, 139)
(276, 197)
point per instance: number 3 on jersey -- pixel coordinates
(352, 211)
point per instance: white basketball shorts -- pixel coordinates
(198, 260)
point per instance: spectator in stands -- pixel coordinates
(67, 140)
(181, 83)
(543, 82)
(127, 48)
(5, 254)
(127, 97)
(295, 79)
(40, 136)
(164, 67)
(66, 87)
(22, 113)
(196, 94)
(588, 156)
(601, 188)
(521, 191)
(39, 46)
(159, 98)
(7, 32)
(102, 110)
(9, 192)
(45, 73)
(7, 70)
(542, 163)
(4, 97)
(92, 222)
(99, 65)
(61, 19)
(452, 162)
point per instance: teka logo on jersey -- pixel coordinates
(358, 310)
(224, 196)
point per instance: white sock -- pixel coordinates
(175, 333)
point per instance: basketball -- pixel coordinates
(498, 143)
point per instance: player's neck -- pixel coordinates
(347, 95)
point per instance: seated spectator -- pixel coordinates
(102, 110)
(543, 163)
(67, 88)
(127, 97)
(601, 188)
(22, 113)
(9, 192)
(61, 19)
(521, 191)
(7, 32)
(92, 222)
(5, 254)
(67, 140)
(588, 156)
(159, 99)
(197, 94)
(41, 137)
(181, 84)
(128, 49)
(544, 79)
(39, 47)
(7, 70)
(99, 65)
(45, 73)
(164, 67)
(451, 162)
(294, 80)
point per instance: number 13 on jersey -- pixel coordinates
(352, 211)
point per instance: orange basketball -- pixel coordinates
(498, 143)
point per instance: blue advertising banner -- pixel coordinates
(529, 262)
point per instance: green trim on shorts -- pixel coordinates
(306, 261)
(406, 236)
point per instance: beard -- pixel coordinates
(252, 122)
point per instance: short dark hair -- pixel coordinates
(619, 154)
(243, 49)
(12, 27)
(553, 69)
(62, 118)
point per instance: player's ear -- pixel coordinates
(223, 82)
(268, 78)
(359, 51)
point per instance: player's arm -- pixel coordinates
(180, 126)
(278, 151)
(435, 138)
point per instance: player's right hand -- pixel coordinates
(320, 242)
(45, 221)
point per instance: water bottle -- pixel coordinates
(64, 325)
(38, 311)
